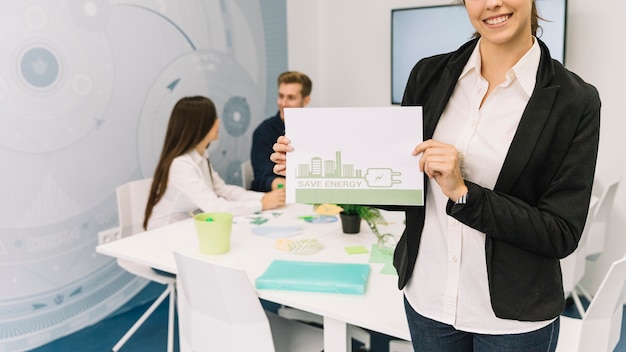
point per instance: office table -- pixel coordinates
(380, 309)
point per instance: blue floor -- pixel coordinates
(152, 336)
(101, 337)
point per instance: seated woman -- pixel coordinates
(184, 181)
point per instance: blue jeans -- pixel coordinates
(429, 335)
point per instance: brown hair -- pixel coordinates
(190, 121)
(297, 77)
(534, 21)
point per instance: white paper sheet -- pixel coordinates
(354, 155)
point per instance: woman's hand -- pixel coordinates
(273, 199)
(281, 148)
(441, 162)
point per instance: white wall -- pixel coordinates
(345, 46)
(594, 29)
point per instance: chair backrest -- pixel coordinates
(600, 219)
(247, 174)
(602, 322)
(400, 346)
(573, 266)
(132, 198)
(221, 310)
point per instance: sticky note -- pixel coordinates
(356, 249)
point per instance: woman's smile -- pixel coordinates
(492, 21)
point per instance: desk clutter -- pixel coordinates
(345, 278)
(213, 231)
(275, 225)
(303, 247)
(279, 227)
(276, 231)
(336, 282)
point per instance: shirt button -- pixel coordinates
(455, 259)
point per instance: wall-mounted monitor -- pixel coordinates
(421, 32)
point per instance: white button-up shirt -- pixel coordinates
(449, 283)
(192, 185)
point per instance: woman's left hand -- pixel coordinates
(441, 162)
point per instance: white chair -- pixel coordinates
(602, 201)
(131, 204)
(247, 174)
(219, 310)
(600, 327)
(400, 346)
(591, 243)
(600, 219)
(573, 266)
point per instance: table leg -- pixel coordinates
(335, 335)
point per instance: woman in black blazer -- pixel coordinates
(511, 140)
(533, 213)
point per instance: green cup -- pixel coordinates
(213, 230)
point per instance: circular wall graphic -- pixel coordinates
(92, 84)
(226, 83)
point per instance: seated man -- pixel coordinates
(294, 90)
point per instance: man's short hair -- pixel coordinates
(297, 77)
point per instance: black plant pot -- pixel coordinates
(350, 223)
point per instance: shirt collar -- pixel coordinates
(474, 61)
(525, 70)
(197, 157)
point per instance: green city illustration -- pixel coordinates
(344, 175)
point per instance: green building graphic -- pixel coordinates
(332, 181)
(318, 168)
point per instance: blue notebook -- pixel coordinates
(315, 277)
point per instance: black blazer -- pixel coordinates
(536, 212)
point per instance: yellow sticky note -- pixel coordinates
(355, 249)
(328, 209)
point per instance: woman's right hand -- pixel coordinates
(442, 162)
(281, 148)
(273, 199)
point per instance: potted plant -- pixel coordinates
(350, 218)
(352, 214)
(373, 217)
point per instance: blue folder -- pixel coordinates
(315, 277)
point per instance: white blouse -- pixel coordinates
(192, 185)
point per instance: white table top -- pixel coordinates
(380, 308)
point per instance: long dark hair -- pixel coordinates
(190, 121)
